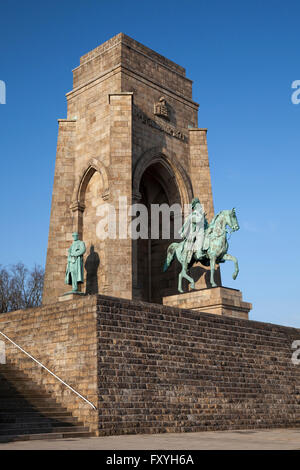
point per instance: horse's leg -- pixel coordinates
(180, 280)
(212, 260)
(189, 278)
(179, 259)
(183, 274)
(229, 257)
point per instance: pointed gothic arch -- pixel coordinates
(158, 178)
(173, 166)
(83, 179)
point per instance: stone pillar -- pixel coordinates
(61, 221)
(136, 199)
(77, 208)
(201, 181)
(120, 172)
(199, 169)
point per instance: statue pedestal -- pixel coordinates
(70, 296)
(217, 300)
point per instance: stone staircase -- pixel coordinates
(28, 412)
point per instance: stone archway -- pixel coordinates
(157, 185)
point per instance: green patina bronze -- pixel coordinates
(203, 242)
(74, 271)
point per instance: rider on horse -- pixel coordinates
(193, 231)
(203, 242)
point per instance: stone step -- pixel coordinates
(28, 407)
(23, 390)
(13, 419)
(14, 385)
(52, 435)
(27, 411)
(4, 394)
(20, 380)
(4, 377)
(55, 413)
(40, 425)
(14, 374)
(14, 377)
(22, 400)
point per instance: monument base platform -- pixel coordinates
(70, 296)
(217, 300)
(148, 368)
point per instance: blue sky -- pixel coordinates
(242, 57)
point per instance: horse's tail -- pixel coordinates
(170, 256)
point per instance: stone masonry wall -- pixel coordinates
(164, 369)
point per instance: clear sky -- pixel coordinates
(242, 57)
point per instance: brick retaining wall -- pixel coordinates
(164, 369)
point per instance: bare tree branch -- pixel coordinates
(20, 288)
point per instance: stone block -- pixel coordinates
(216, 300)
(70, 296)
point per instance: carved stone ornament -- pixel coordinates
(161, 109)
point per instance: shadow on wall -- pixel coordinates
(91, 266)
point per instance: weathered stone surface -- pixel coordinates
(152, 368)
(217, 300)
(70, 296)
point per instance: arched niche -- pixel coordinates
(90, 192)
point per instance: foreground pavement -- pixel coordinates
(274, 439)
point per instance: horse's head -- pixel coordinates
(223, 219)
(233, 220)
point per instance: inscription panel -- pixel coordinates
(163, 127)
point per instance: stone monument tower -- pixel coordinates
(131, 136)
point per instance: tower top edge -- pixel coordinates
(125, 40)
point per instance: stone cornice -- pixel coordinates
(121, 68)
(139, 48)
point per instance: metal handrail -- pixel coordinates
(44, 367)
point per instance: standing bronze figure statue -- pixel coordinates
(203, 242)
(74, 271)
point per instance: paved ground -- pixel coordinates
(275, 439)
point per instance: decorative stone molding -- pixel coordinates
(161, 109)
(84, 177)
(136, 196)
(77, 206)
